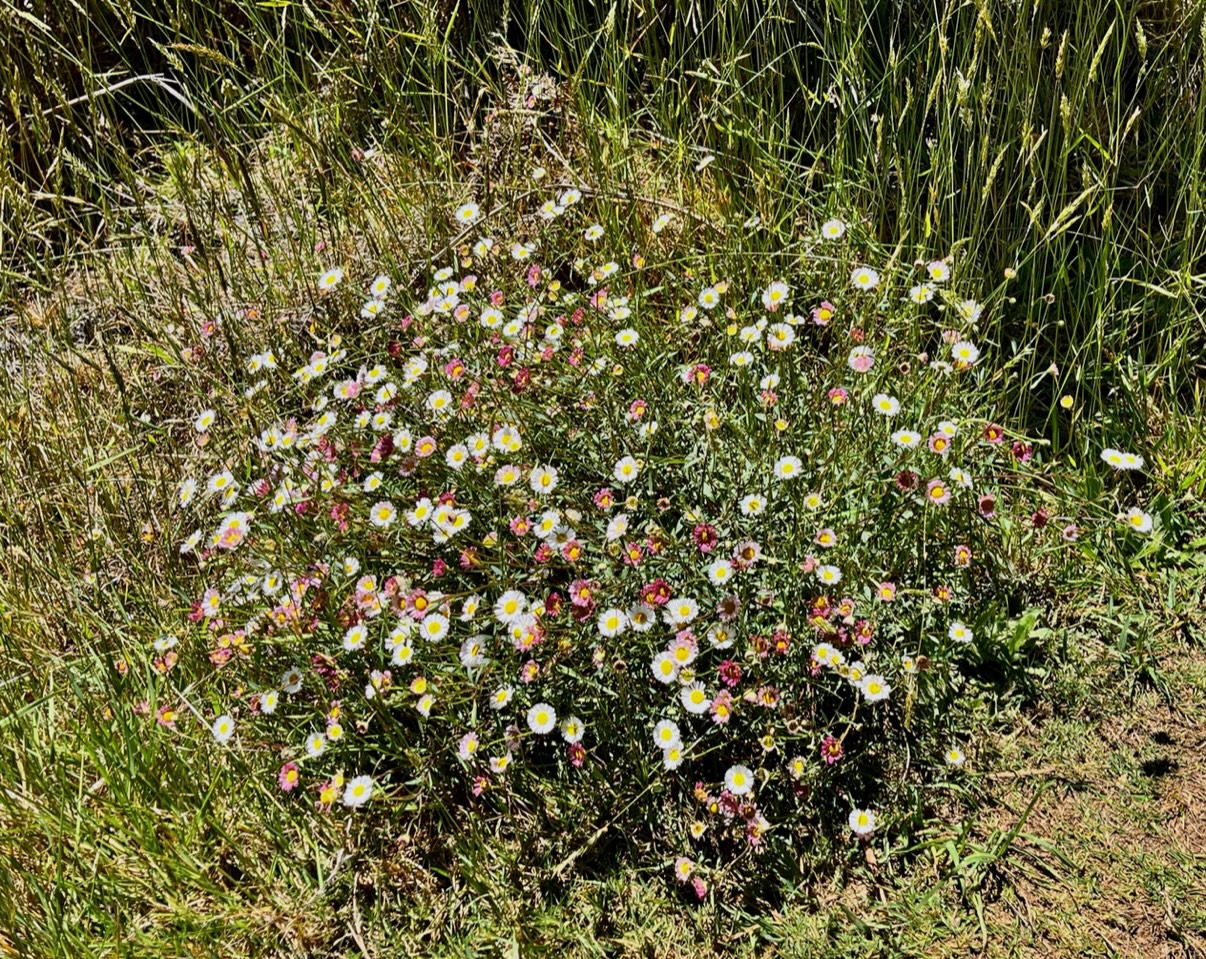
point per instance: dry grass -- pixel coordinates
(1126, 812)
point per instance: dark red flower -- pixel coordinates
(831, 750)
(656, 593)
(705, 537)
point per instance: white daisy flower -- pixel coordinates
(186, 492)
(779, 336)
(642, 618)
(626, 470)
(543, 479)
(1137, 520)
(223, 728)
(874, 688)
(666, 734)
(884, 404)
(695, 698)
(542, 718)
(680, 611)
(862, 822)
(355, 637)
(358, 791)
(316, 745)
(330, 279)
(205, 419)
(788, 467)
(829, 575)
(501, 698)
(612, 622)
(468, 212)
(833, 229)
(720, 571)
(970, 310)
(739, 780)
(964, 352)
(291, 680)
(864, 278)
(960, 633)
(383, 514)
(938, 271)
(775, 295)
(434, 627)
(960, 477)
(573, 729)
(753, 504)
(665, 669)
(510, 607)
(617, 527)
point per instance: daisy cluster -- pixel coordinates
(576, 507)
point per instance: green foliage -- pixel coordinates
(164, 166)
(1063, 141)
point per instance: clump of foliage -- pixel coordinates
(583, 525)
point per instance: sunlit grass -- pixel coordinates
(222, 173)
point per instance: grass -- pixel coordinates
(1098, 805)
(1064, 143)
(139, 185)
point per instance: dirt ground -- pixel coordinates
(1112, 858)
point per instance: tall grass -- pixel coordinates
(1061, 140)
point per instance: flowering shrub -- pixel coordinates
(574, 515)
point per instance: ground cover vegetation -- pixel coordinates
(627, 479)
